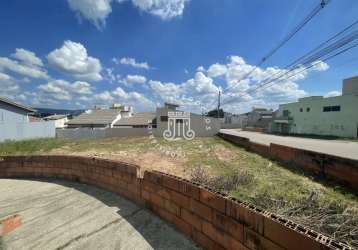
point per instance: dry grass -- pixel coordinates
(212, 161)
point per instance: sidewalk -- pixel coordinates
(340, 148)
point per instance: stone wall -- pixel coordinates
(212, 219)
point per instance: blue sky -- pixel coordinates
(77, 53)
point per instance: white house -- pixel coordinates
(60, 120)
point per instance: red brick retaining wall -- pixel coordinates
(211, 219)
(338, 169)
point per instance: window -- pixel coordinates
(179, 121)
(164, 118)
(308, 109)
(286, 113)
(327, 109)
(331, 108)
(336, 108)
(301, 109)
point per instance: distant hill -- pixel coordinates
(43, 112)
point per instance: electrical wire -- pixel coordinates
(314, 54)
(297, 28)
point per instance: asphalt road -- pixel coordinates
(345, 149)
(64, 215)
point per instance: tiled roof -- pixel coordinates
(17, 105)
(136, 119)
(54, 117)
(96, 117)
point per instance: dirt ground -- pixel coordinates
(151, 160)
(282, 189)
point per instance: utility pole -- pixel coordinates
(219, 103)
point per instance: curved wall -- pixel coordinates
(340, 170)
(211, 219)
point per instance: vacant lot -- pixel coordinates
(212, 161)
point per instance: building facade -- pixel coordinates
(259, 118)
(100, 118)
(169, 119)
(60, 120)
(318, 115)
(15, 123)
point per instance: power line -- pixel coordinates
(297, 28)
(311, 56)
(325, 60)
(267, 85)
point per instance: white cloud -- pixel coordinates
(32, 71)
(110, 76)
(133, 79)
(165, 9)
(201, 91)
(320, 66)
(200, 69)
(242, 93)
(64, 91)
(216, 70)
(191, 94)
(333, 93)
(131, 62)
(95, 11)
(27, 57)
(8, 86)
(4, 77)
(200, 85)
(83, 88)
(104, 96)
(135, 99)
(166, 91)
(72, 59)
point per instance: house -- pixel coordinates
(13, 112)
(96, 118)
(120, 121)
(15, 122)
(318, 115)
(172, 123)
(234, 120)
(101, 117)
(60, 120)
(259, 118)
(137, 120)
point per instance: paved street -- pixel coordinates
(63, 215)
(345, 149)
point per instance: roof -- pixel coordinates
(171, 104)
(96, 117)
(55, 117)
(136, 119)
(17, 105)
(264, 112)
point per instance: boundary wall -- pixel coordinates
(341, 170)
(213, 220)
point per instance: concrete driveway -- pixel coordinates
(344, 149)
(64, 215)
